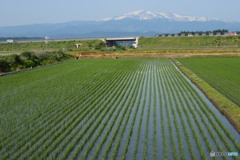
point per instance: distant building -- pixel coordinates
(176, 35)
(46, 39)
(210, 34)
(78, 45)
(183, 34)
(198, 33)
(189, 34)
(10, 41)
(232, 34)
(204, 33)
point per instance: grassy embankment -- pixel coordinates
(208, 84)
(190, 46)
(190, 42)
(154, 47)
(52, 45)
(40, 47)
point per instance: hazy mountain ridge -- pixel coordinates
(138, 23)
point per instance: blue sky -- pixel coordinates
(19, 12)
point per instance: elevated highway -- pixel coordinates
(123, 41)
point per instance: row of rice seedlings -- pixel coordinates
(206, 140)
(46, 118)
(11, 126)
(161, 105)
(27, 103)
(166, 91)
(76, 152)
(141, 106)
(219, 84)
(151, 147)
(107, 131)
(55, 131)
(188, 107)
(185, 113)
(155, 85)
(132, 104)
(77, 126)
(82, 133)
(14, 95)
(120, 97)
(166, 122)
(7, 139)
(210, 130)
(99, 147)
(207, 112)
(172, 141)
(163, 125)
(214, 115)
(220, 128)
(135, 102)
(100, 131)
(35, 133)
(206, 124)
(113, 120)
(186, 133)
(21, 101)
(68, 136)
(172, 98)
(185, 92)
(89, 128)
(112, 99)
(116, 130)
(125, 111)
(125, 118)
(152, 150)
(40, 139)
(194, 98)
(148, 105)
(219, 132)
(37, 84)
(169, 91)
(133, 140)
(195, 134)
(142, 114)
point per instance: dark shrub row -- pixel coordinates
(30, 59)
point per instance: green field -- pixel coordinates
(51, 45)
(221, 73)
(190, 42)
(144, 42)
(109, 109)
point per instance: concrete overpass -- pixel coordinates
(124, 41)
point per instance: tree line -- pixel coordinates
(30, 59)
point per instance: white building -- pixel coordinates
(10, 41)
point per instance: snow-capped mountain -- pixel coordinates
(148, 15)
(137, 23)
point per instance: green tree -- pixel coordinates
(5, 66)
(100, 45)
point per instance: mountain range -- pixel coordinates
(137, 23)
